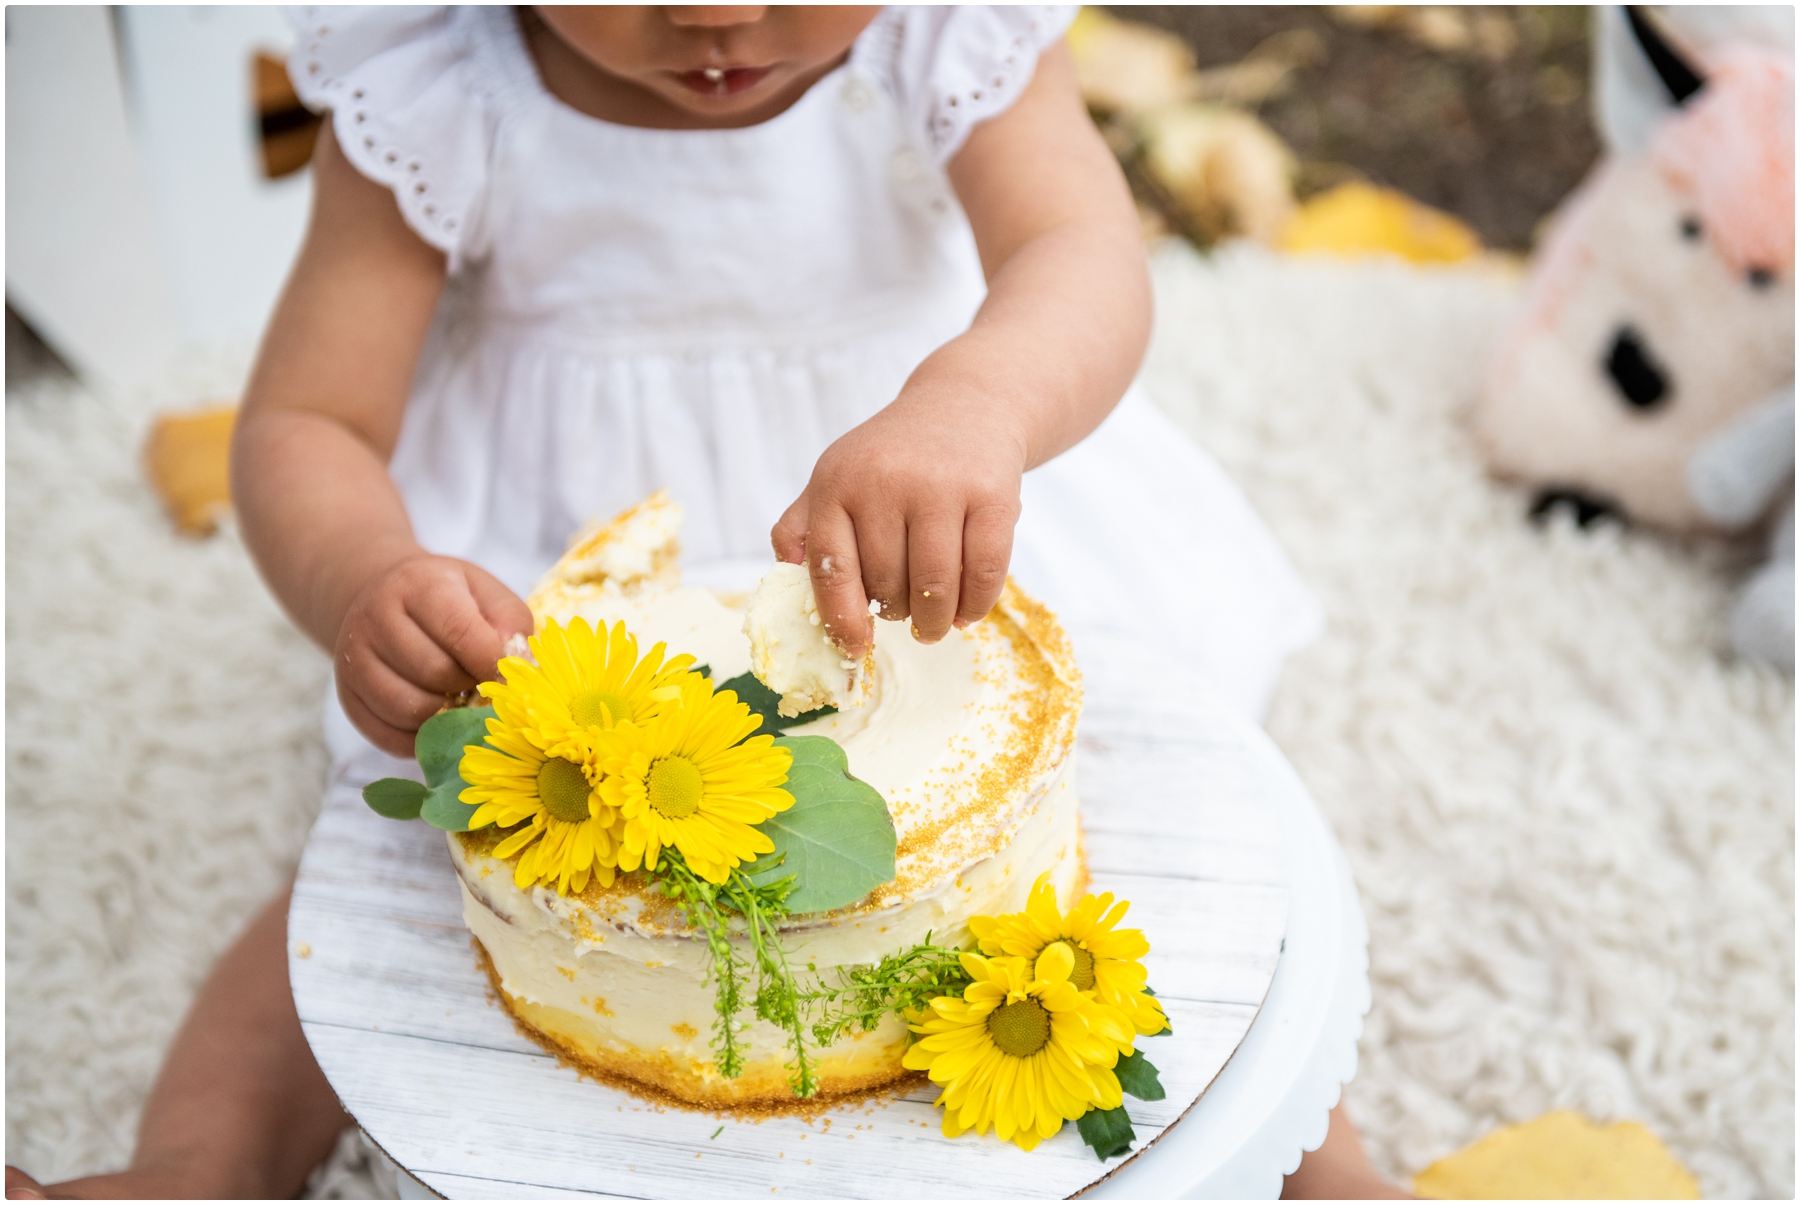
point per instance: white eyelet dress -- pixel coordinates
(705, 311)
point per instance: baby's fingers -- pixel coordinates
(452, 619)
(384, 706)
(504, 611)
(399, 641)
(837, 578)
(934, 557)
(987, 554)
(789, 534)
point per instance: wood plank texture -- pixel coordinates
(1177, 820)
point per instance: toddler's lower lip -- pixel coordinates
(727, 82)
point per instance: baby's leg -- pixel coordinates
(240, 1109)
(1339, 1169)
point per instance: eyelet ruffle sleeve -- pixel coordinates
(410, 110)
(956, 66)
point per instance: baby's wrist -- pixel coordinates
(950, 392)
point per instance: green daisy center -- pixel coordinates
(675, 788)
(1082, 977)
(590, 708)
(564, 789)
(1020, 1029)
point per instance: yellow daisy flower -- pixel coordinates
(1023, 1051)
(567, 833)
(585, 678)
(1106, 958)
(537, 768)
(681, 778)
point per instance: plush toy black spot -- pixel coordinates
(1628, 363)
(1677, 76)
(1587, 508)
(1761, 278)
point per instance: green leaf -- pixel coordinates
(705, 671)
(1167, 1027)
(395, 798)
(1137, 1075)
(440, 746)
(1108, 1131)
(764, 702)
(441, 740)
(444, 810)
(837, 840)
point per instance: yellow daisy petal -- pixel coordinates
(1106, 958)
(1021, 1052)
(679, 780)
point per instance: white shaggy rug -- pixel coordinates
(1570, 818)
(163, 765)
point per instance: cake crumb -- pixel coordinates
(302, 950)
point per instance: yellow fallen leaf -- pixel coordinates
(1561, 1155)
(187, 458)
(1124, 66)
(1228, 173)
(1361, 219)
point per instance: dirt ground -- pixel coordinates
(1480, 111)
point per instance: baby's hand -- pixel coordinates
(913, 509)
(427, 627)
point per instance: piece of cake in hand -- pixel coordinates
(790, 652)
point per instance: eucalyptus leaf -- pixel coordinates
(440, 745)
(837, 840)
(1137, 1075)
(442, 808)
(442, 738)
(1108, 1131)
(765, 703)
(395, 798)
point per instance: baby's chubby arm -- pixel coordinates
(915, 508)
(309, 468)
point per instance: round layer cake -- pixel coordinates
(970, 742)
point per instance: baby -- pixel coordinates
(852, 272)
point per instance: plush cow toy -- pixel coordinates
(1651, 372)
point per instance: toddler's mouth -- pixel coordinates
(723, 81)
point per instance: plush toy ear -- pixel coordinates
(1676, 74)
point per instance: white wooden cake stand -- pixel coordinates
(1188, 813)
